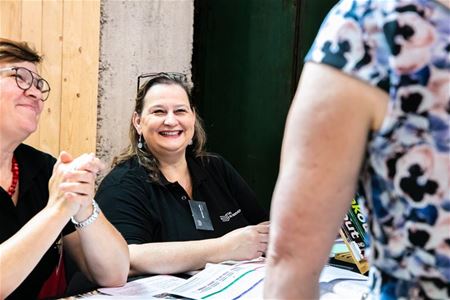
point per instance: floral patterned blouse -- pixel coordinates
(402, 47)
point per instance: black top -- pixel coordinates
(158, 212)
(35, 170)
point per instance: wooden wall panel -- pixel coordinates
(10, 18)
(52, 26)
(31, 31)
(66, 32)
(80, 75)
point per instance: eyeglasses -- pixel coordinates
(169, 75)
(26, 78)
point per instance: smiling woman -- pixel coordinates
(177, 206)
(39, 195)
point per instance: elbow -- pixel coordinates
(136, 271)
(113, 280)
(5, 292)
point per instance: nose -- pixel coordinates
(34, 93)
(170, 119)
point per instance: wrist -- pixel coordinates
(84, 212)
(58, 209)
(220, 252)
(56, 212)
(95, 212)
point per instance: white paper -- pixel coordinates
(224, 282)
(243, 280)
(145, 287)
(106, 297)
(336, 283)
(330, 273)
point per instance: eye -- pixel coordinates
(19, 76)
(180, 111)
(158, 112)
(40, 85)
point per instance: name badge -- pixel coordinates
(201, 216)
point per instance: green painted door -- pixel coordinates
(246, 63)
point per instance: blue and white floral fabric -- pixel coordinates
(402, 47)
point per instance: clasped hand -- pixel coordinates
(72, 185)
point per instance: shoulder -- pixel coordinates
(213, 165)
(126, 187)
(26, 150)
(34, 158)
(211, 161)
(366, 39)
(347, 40)
(126, 171)
(128, 180)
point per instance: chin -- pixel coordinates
(28, 129)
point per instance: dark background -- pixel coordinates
(247, 59)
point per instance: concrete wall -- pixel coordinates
(137, 37)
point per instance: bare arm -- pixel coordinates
(23, 251)
(99, 249)
(100, 252)
(322, 152)
(175, 257)
(16, 258)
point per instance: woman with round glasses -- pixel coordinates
(177, 206)
(40, 195)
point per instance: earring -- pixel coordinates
(190, 142)
(139, 145)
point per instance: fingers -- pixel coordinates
(262, 229)
(79, 176)
(83, 189)
(65, 157)
(76, 176)
(79, 198)
(85, 162)
(88, 162)
(263, 236)
(260, 237)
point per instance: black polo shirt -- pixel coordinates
(158, 212)
(35, 170)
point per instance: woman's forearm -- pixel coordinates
(22, 252)
(175, 257)
(101, 252)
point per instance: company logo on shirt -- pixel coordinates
(226, 217)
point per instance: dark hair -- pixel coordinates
(13, 51)
(144, 156)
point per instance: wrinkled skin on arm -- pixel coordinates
(323, 148)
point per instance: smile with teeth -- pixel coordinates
(170, 133)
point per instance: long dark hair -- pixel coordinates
(144, 155)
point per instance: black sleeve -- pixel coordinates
(125, 204)
(244, 195)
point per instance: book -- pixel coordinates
(354, 233)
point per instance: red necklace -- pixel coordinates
(15, 177)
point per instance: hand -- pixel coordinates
(248, 242)
(72, 184)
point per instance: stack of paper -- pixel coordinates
(244, 280)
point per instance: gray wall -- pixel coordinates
(137, 37)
